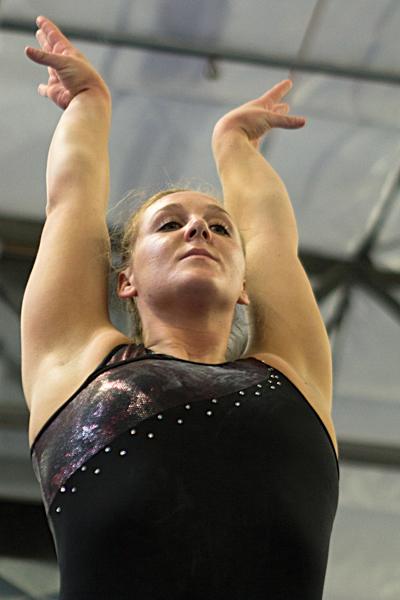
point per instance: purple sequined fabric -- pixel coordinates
(132, 386)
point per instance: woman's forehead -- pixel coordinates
(184, 198)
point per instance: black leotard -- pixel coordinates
(166, 479)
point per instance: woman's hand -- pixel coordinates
(257, 117)
(70, 72)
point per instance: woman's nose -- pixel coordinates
(198, 228)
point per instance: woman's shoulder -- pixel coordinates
(60, 379)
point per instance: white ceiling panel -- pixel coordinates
(367, 369)
(363, 33)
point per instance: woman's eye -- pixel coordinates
(214, 225)
(169, 223)
(222, 226)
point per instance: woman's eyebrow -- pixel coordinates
(174, 205)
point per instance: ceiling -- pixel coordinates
(174, 67)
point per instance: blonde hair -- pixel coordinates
(123, 240)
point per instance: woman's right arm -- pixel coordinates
(66, 299)
(77, 168)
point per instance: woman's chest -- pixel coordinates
(175, 380)
(265, 425)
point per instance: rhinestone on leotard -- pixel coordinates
(159, 417)
(150, 435)
(122, 452)
(108, 449)
(84, 468)
(96, 471)
(133, 431)
(241, 392)
(179, 421)
(63, 489)
(237, 403)
(214, 401)
(257, 393)
(73, 490)
(209, 413)
(259, 385)
(58, 509)
(187, 406)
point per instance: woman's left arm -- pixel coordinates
(284, 317)
(251, 186)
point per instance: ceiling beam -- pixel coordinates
(369, 454)
(191, 48)
(379, 215)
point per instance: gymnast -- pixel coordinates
(168, 472)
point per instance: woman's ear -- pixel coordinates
(126, 287)
(243, 298)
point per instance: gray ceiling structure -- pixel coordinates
(174, 67)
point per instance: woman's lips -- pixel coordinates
(199, 256)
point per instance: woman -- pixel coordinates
(166, 471)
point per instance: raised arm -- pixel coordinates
(66, 299)
(77, 168)
(251, 186)
(284, 317)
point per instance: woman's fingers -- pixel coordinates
(42, 40)
(42, 89)
(275, 94)
(70, 73)
(56, 61)
(286, 122)
(58, 46)
(277, 110)
(58, 94)
(45, 46)
(52, 34)
(279, 90)
(282, 108)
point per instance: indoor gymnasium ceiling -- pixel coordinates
(174, 67)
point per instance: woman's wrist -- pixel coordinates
(89, 112)
(226, 143)
(225, 133)
(95, 98)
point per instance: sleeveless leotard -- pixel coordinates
(166, 479)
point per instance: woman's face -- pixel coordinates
(172, 226)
